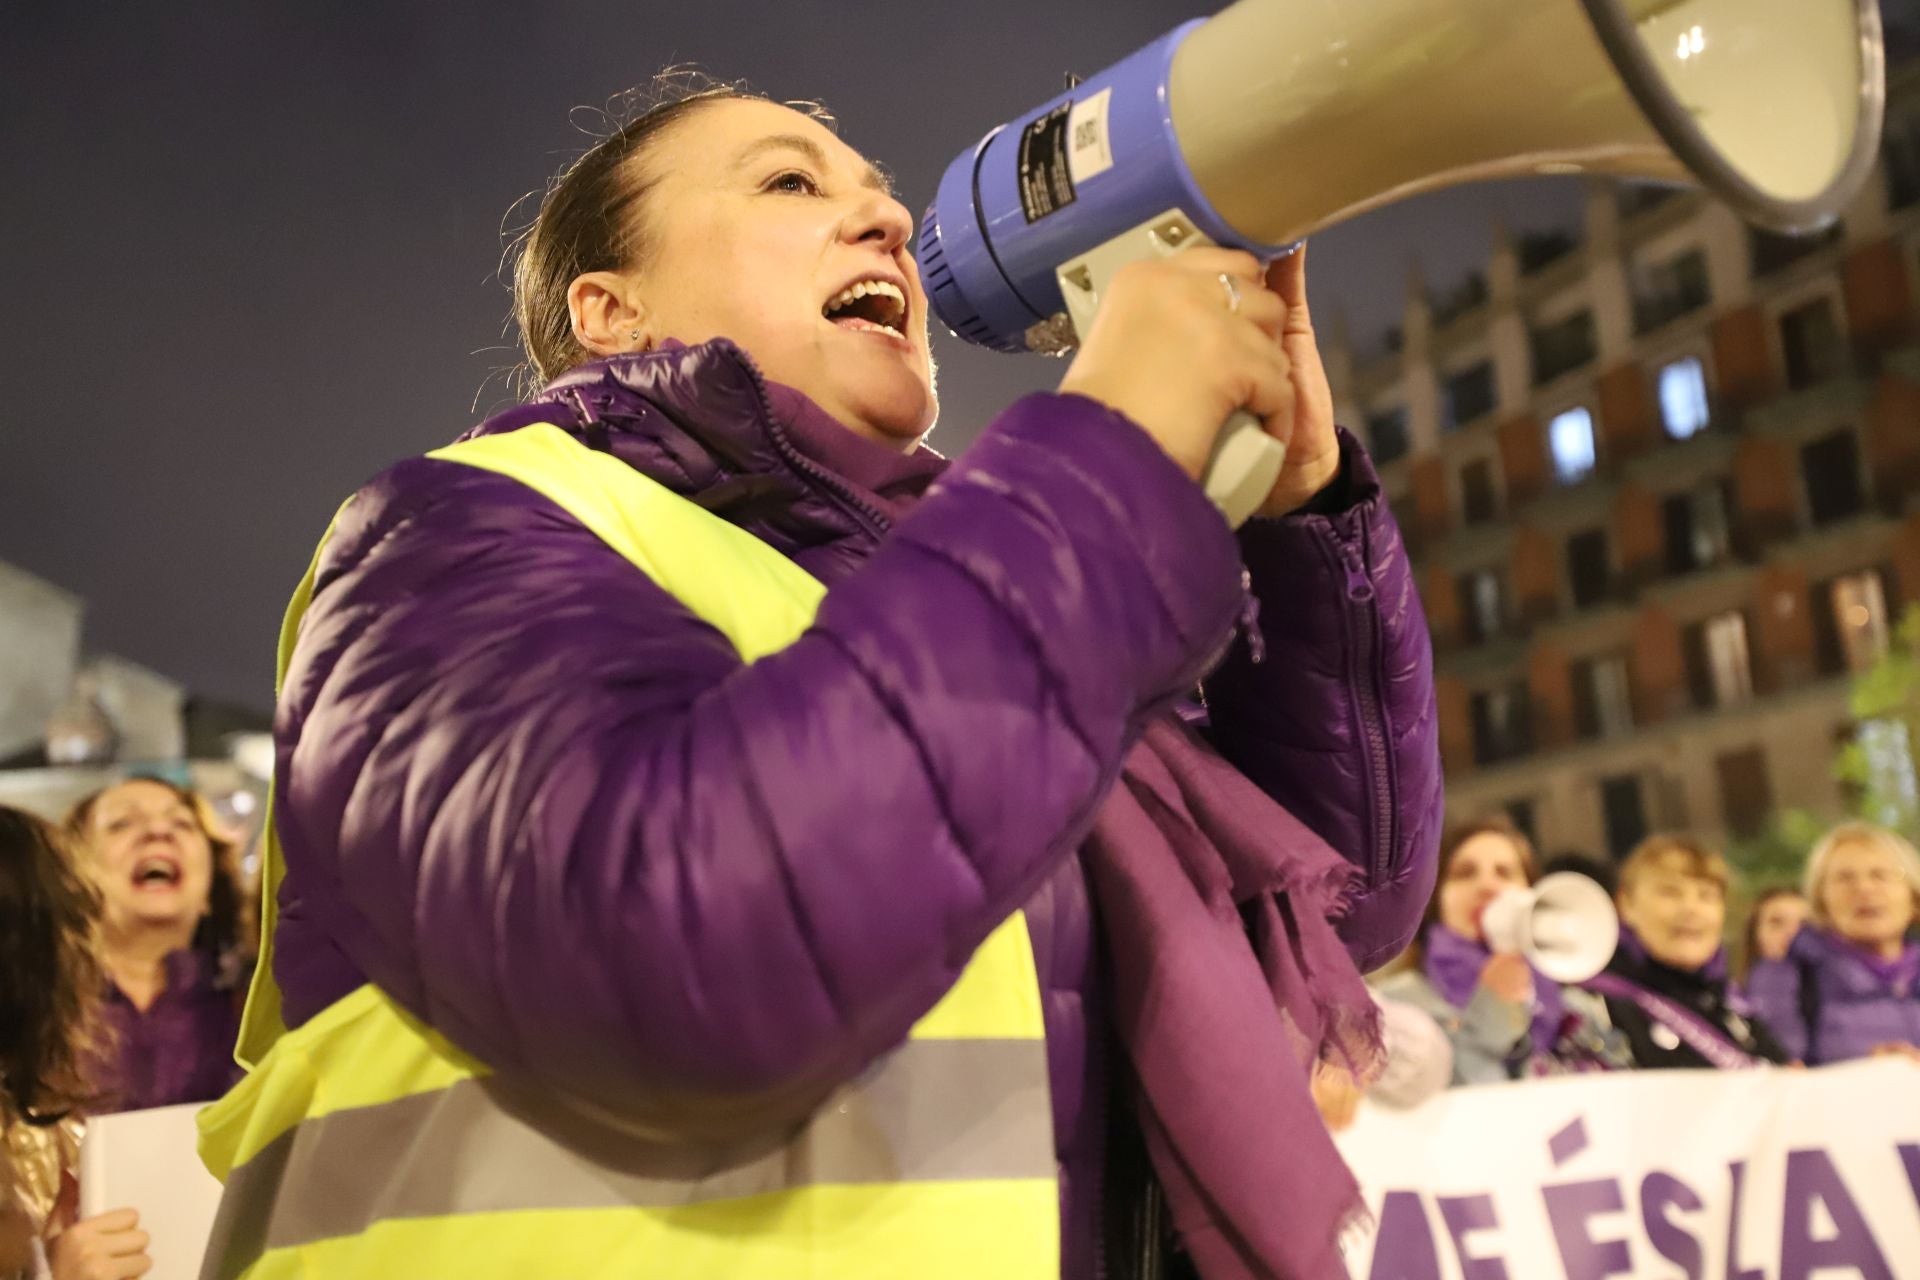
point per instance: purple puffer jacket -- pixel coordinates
(1856, 1003)
(549, 810)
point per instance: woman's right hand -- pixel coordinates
(1165, 350)
(107, 1246)
(1508, 978)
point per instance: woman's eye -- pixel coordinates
(794, 182)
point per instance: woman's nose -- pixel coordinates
(882, 219)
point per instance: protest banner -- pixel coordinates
(1736, 1175)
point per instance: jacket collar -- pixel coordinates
(703, 422)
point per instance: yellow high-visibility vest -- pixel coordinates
(364, 1145)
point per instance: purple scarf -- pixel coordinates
(1897, 975)
(1453, 965)
(1222, 1021)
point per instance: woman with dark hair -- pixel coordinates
(1504, 1020)
(1772, 922)
(49, 980)
(167, 934)
(714, 836)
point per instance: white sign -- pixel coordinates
(1749, 1175)
(147, 1160)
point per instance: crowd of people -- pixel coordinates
(1826, 971)
(125, 960)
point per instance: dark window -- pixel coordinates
(1900, 148)
(1483, 603)
(1387, 432)
(1625, 811)
(1479, 503)
(1636, 198)
(1810, 337)
(1500, 725)
(1671, 290)
(1697, 536)
(1562, 346)
(1520, 813)
(1538, 249)
(1464, 297)
(1831, 466)
(1468, 395)
(1771, 252)
(1746, 794)
(1587, 567)
(1602, 697)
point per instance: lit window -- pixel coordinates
(1860, 616)
(1571, 437)
(1683, 397)
(1727, 661)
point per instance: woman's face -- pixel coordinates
(760, 219)
(1679, 917)
(1482, 868)
(1866, 894)
(147, 853)
(1775, 923)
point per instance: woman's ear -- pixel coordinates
(608, 314)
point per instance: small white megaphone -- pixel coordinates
(1565, 926)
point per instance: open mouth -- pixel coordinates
(156, 873)
(878, 306)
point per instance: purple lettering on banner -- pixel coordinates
(1737, 1171)
(1660, 1192)
(1403, 1247)
(1910, 1161)
(1810, 1177)
(1569, 1206)
(1465, 1215)
(1569, 1142)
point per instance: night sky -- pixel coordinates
(250, 251)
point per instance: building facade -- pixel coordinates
(1662, 488)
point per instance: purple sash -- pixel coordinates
(1703, 1037)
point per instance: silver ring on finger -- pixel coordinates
(1233, 294)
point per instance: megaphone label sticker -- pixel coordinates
(1046, 173)
(1091, 153)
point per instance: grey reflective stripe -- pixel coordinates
(933, 1110)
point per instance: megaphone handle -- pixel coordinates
(1246, 460)
(1245, 465)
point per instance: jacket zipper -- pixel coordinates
(1363, 618)
(877, 520)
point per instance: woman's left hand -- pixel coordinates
(1313, 447)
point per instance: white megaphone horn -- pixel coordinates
(1275, 118)
(1565, 926)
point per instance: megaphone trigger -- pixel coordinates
(1246, 461)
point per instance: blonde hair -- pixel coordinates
(1688, 856)
(1904, 855)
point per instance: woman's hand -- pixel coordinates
(1508, 978)
(108, 1246)
(1306, 424)
(1166, 351)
